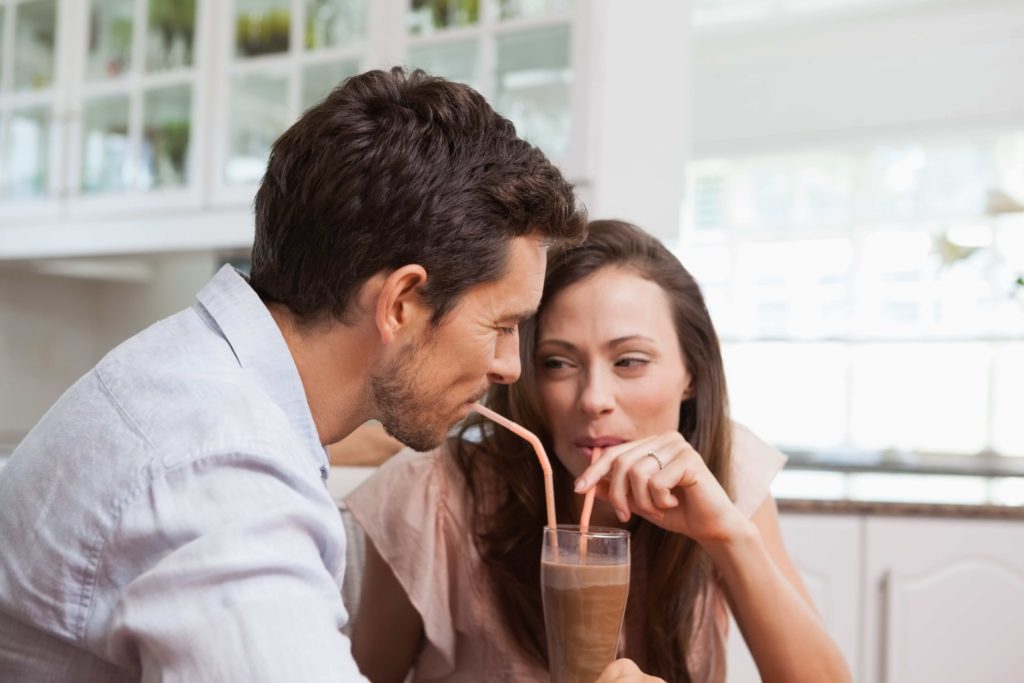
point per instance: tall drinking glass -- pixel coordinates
(584, 590)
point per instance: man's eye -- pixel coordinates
(507, 331)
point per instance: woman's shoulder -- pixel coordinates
(421, 482)
(750, 447)
(755, 463)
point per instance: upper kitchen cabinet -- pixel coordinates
(279, 58)
(517, 53)
(146, 125)
(29, 104)
(578, 79)
(136, 105)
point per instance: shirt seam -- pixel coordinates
(87, 591)
(87, 602)
(121, 409)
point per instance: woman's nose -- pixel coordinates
(597, 396)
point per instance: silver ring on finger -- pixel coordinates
(654, 455)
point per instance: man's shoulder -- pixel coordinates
(179, 385)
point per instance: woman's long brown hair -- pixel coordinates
(506, 485)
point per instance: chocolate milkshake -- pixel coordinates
(584, 601)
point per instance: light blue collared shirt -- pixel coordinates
(167, 519)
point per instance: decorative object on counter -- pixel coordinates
(172, 33)
(263, 34)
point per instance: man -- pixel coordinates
(167, 518)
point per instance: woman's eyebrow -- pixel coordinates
(557, 342)
(611, 344)
(632, 337)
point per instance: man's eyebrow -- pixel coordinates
(520, 317)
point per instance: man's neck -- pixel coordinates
(333, 362)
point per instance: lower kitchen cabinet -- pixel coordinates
(911, 599)
(944, 600)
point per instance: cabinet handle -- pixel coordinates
(884, 590)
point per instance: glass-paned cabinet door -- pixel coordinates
(28, 97)
(522, 9)
(334, 24)
(260, 113)
(319, 79)
(138, 95)
(170, 35)
(532, 86)
(166, 130)
(27, 152)
(106, 144)
(111, 25)
(262, 27)
(35, 38)
(516, 53)
(456, 61)
(284, 56)
(427, 16)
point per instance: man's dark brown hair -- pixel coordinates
(394, 168)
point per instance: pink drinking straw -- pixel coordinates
(538, 448)
(588, 507)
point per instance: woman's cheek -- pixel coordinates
(654, 406)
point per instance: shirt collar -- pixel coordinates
(259, 346)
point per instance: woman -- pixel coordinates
(621, 361)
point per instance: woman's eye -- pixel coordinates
(631, 362)
(554, 364)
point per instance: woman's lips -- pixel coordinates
(586, 445)
(599, 441)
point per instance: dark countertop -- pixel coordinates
(897, 462)
(889, 509)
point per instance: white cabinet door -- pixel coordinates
(827, 551)
(945, 601)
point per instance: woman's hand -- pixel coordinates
(625, 671)
(663, 479)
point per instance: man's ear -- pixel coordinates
(398, 302)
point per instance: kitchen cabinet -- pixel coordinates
(911, 599)
(127, 119)
(944, 600)
(275, 59)
(30, 102)
(827, 551)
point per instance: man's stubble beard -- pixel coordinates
(403, 408)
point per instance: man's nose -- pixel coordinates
(506, 366)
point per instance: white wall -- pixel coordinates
(635, 84)
(175, 279)
(48, 338)
(54, 328)
(946, 65)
